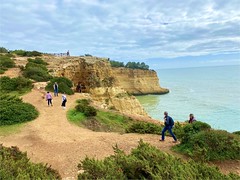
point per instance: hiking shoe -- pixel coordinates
(175, 141)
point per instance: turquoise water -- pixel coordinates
(212, 94)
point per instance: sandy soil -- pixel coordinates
(52, 139)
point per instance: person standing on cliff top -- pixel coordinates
(168, 122)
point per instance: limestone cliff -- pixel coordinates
(138, 82)
(110, 86)
(117, 98)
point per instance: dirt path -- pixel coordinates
(52, 139)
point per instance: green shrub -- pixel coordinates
(144, 128)
(64, 85)
(36, 69)
(13, 110)
(193, 128)
(26, 53)
(236, 132)
(19, 84)
(16, 165)
(84, 102)
(208, 145)
(3, 50)
(90, 111)
(98, 120)
(37, 61)
(5, 63)
(80, 108)
(146, 162)
(83, 107)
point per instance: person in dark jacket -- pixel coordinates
(168, 122)
(191, 118)
(55, 87)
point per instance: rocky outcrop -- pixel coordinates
(116, 98)
(138, 82)
(110, 86)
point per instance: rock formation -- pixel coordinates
(113, 87)
(138, 82)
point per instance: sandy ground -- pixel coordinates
(52, 139)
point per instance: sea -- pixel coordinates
(212, 94)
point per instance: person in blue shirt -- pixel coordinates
(168, 122)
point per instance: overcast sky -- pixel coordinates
(126, 30)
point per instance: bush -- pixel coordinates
(26, 53)
(83, 107)
(5, 63)
(144, 128)
(236, 132)
(201, 143)
(37, 61)
(64, 85)
(15, 165)
(190, 129)
(3, 50)
(84, 102)
(90, 111)
(116, 63)
(36, 69)
(19, 84)
(13, 110)
(147, 162)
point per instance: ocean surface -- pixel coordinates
(212, 94)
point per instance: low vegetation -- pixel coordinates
(202, 143)
(97, 120)
(3, 50)
(64, 85)
(132, 65)
(24, 53)
(16, 165)
(144, 128)
(147, 162)
(36, 69)
(5, 63)
(13, 110)
(18, 85)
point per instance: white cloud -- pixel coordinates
(122, 29)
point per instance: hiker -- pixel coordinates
(68, 54)
(168, 122)
(191, 118)
(79, 87)
(55, 87)
(49, 98)
(64, 100)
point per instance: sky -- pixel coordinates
(162, 33)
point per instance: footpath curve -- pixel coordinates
(52, 139)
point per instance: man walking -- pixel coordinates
(168, 122)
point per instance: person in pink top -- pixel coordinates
(49, 98)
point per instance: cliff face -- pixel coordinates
(110, 86)
(117, 98)
(138, 82)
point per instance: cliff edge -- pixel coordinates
(113, 87)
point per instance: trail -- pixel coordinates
(52, 139)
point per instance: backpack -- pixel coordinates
(171, 121)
